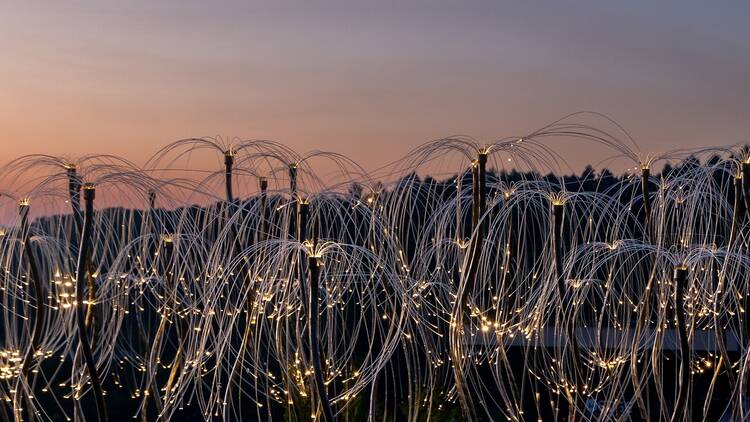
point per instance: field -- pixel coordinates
(290, 286)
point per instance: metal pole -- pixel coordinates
(228, 164)
(89, 193)
(680, 282)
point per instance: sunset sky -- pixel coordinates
(369, 80)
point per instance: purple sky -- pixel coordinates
(369, 80)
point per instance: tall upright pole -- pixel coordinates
(293, 180)
(313, 309)
(293, 199)
(263, 209)
(468, 275)
(482, 185)
(228, 165)
(680, 283)
(151, 199)
(479, 205)
(475, 195)
(314, 337)
(737, 210)
(558, 215)
(39, 317)
(74, 194)
(152, 244)
(558, 209)
(745, 172)
(303, 216)
(645, 190)
(89, 193)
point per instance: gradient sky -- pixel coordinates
(369, 80)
